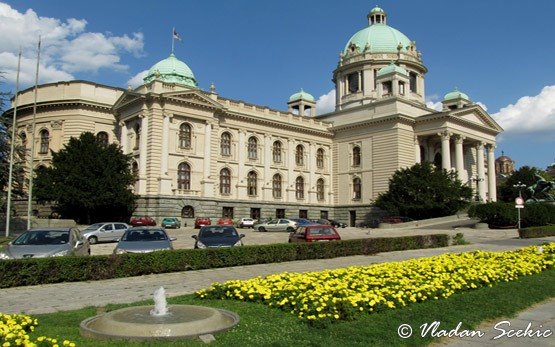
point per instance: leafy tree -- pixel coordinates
(89, 180)
(423, 191)
(524, 175)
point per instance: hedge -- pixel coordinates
(504, 214)
(543, 231)
(29, 271)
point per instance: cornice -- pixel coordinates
(67, 104)
(397, 118)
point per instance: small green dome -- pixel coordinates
(172, 70)
(302, 95)
(455, 94)
(392, 68)
(380, 38)
(376, 10)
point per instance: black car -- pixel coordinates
(337, 224)
(213, 236)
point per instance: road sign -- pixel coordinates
(519, 201)
(519, 206)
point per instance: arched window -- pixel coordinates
(253, 148)
(320, 158)
(320, 189)
(185, 136)
(184, 176)
(23, 138)
(44, 141)
(102, 138)
(188, 212)
(299, 188)
(299, 155)
(357, 189)
(225, 181)
(251, 183)
(276, 186)
(437, 161)
(276, 152)
(137, 136)
(356, 156)
(225, 144)
(135, 170)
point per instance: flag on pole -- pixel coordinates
(176, 35)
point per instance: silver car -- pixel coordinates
(105, 232)
(277, 225)
(47, 242)
(144, 240)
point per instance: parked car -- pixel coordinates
(302, 221)
(202, 221)
(171, 222)
(337, 224)
(144, 240)
(218, 236)
(105, 232)
(47, 242)
(246, 223)
(312, 233)
(225, 221)
(277, 225)
(142, 221)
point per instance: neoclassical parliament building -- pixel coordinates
(197, 153)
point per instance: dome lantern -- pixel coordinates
(377, 16)
(302, 103)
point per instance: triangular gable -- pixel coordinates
(127, 98)
(476, 114)
(194, 97)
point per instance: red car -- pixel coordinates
(142, 221)
(225, 221)
(312, 233)
(202, 221)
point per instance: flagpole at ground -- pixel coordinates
(31, 171)
(12, 145)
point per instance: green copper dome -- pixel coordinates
(392, 68)
(172, 70)
(455, 94)
(380, 38)
(302, 95)
(376, 10)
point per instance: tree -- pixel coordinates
(525, 175)
(89, 180)
(422, 191)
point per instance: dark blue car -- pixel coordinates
(213, 236)
(302, 222)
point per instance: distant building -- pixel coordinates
(196, 152)
(504, 166)
(551, 169)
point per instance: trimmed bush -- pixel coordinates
(504, 214)
(24, 272)
(543, 231)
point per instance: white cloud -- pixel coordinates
(326, 102)
(137, 80)
(530, 115)
(433, 103)
(67, 48)
(482, 105)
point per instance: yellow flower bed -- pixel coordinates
(15, 329)
(339, 294)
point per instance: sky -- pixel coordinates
(498, 52)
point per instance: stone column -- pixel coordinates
(459, 157)
(359, 74)
(492, 187)
(481, 173)
(338, 91)
(143, 154)
(417, 158)
(445, 150)
(123, 137)
(267, 179)
(165, 184)
(241, 177)
(312, 173)
(207, 181)
(290, 185)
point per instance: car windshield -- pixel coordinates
(145, 235)
(43, 237)
(322, 231)
(217, 232)
(93, 227)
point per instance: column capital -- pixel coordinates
(445, 135)
(491, 146)
(459, 139)
(121, 123)
(142, 115)
(480, 145)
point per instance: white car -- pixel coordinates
(105, 232)
(246, 223)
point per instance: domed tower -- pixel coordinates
(454, 100)
(172, 70)
(504, 165)
(367, 52)
(303, 104)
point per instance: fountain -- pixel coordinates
(162, 322)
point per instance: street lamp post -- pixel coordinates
(519, 201)
(477, 180)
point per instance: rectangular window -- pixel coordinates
(255, 213)
(280, 213)
(352, 80)
(227, 212)
(324, 214)
(303, 213)
(412, 81)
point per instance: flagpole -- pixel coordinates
(9, 203)
(31, 171)
(173, 38)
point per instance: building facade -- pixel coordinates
(197, 153)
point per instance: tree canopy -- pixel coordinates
(89, 180)
(423, 191)
(525, 175)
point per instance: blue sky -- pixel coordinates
(499, 52)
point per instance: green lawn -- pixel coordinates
(264, 326)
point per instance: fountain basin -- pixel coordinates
(136, 323)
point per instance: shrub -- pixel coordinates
(29, 271)
(538, 214)
(495, 214)
(543, 231)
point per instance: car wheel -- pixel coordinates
(93, 240)
(261, 229)
(290, 229)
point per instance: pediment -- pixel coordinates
(127, 98)
(476, 115)
(193, 97)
